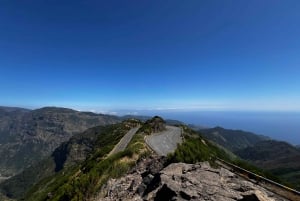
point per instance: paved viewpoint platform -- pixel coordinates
(165, 142)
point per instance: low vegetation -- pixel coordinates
(196, 149)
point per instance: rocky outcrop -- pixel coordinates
(180, 181)
(157, 124)
(141, 179)
(154, 125)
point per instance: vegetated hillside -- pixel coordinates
(94, 141)
(232, 139)
(280, 158)
(272, 154)
(83, 181)
(27, 136)
(196, 148)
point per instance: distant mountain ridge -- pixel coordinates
(272, 153)
(27, 136)
(13, 109)
(232, 139)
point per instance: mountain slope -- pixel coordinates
(281, 158)
(232, 139)
(83, 180)
(97, 140)
(272, 154)
(27, 136)
(8, 117)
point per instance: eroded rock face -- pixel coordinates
(180, 181)
(28, 136)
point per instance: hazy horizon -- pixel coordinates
(278, 125)
(145, 110)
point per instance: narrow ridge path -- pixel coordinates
(121, 146)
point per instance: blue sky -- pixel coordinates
(145, 55)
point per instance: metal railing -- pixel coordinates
(273, 186)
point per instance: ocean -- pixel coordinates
(283, 126)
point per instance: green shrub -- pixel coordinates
(195, 149)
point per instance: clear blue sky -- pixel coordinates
(142, 54)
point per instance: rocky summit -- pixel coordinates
(149, 181)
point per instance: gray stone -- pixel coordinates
(180, 181)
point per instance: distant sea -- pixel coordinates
(283, 126)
